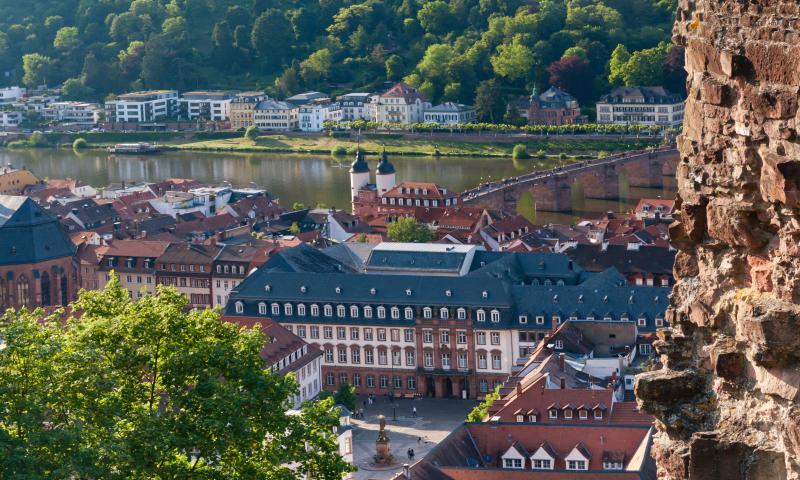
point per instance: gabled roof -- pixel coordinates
(29, 234)
(405, 91)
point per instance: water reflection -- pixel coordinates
(309, 179)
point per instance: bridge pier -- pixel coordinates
(601, 182)
(553, 195)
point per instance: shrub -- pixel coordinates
(338, 150)
(251, 133)
(562, 156)
(79, 144)
(541, 154)
(520, 152)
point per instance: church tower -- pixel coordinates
(359, 174)
(385, 178)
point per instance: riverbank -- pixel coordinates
(472, 145)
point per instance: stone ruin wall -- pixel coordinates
(726, 399)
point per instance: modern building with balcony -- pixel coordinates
(146, 106)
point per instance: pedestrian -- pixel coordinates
(414, 412)
(410, 454)
(419, 440)
(411, 457)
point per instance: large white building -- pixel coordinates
(206, 200)
(355, 106)
(312, 116)
(401, 104)
(449, 113)
(11, 94)
(80, 113)
(275, 115)
(211, 105)
(641, 106)
(146, 106)
(10, 118)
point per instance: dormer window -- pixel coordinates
(409, 313)
(267, 288)
(338, 289)
(523, 319)
(340, 311)
(568, 413)
(577, 459)
(276, 309)
(540, 320)
(559, 344)
(556, 320)
(239, 307)
(354, 311)
(427, 312)
(444, 313)
(395, 313)
(461, 314)
(480, 315)
(495, 316)
(583, 414)
(580, 298)
(372, 291)
(448, 293)
(642, 321)
(553, 413)
(301, 310)
(408, 292)
(598, 414)
(303, 289)
(485, 294)
(659, 322)
(576, 465)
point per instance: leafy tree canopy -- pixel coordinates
(146, 390)
(406, 229)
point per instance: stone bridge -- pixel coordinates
(551, 190)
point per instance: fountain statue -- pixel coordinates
(383, 454)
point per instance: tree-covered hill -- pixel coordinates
(450, 49)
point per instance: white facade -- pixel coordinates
(207, 201)
(355, 106)
(450, 114)
(312, 116)
(210, 105)
(11, 94)
(641, 106)
(10, 118)
(401, 104)
(222, 287)
(72, 112)
(143, 106)
(275, 115)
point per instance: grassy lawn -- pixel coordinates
(395, 146)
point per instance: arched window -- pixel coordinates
(461, 314)
(427, 312)
(444, 313)
(409, 313)
(340, 311)
(381, 312)
(367, 312)
(480, 315)
(23, 291)
(276, 309)
(315, 310)
(327, 310)
(354, 311)
(240, 307)
(45, 281)
(287, 309)
(395, 313)
(301, 310)
(262, 308)
(495, 316)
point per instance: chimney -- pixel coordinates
(406, 471)
(621, 364)
(144, 234)
(561, 358)
(563, 383)
(519, 388)
(213, 241)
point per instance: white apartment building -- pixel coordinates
(145, 106)
(355, 106)
(641, 106)
(11, 94)
(450, 113)
(275, 115)
(206, 200)
(10, 118)
(401, 104)
(211, 105)
(312, 116)
(80, 113)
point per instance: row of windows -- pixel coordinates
(383, 381)
(230, 269)
(410, 358)
(544, 464)
(367, 311)
(182, 268)
(313, 331)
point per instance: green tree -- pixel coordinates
(251, 133)
(346, 395)
(144, 389)
(316, 67)
(481, 411)
(74, 89)
(406, 229)
(616, 65)
(513, 61)
(489, 102)
(394, 67)
(298, 206)
(646, 67)
(67, 39)
(272, 38)
(295, 228)
(435, 17)
(37, 68)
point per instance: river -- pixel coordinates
(309, 179)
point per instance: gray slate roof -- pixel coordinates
(29, 234)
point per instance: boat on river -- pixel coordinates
(134, 148)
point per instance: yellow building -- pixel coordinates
(242, 107)
(13, 180)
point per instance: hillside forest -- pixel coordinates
(470, 51)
